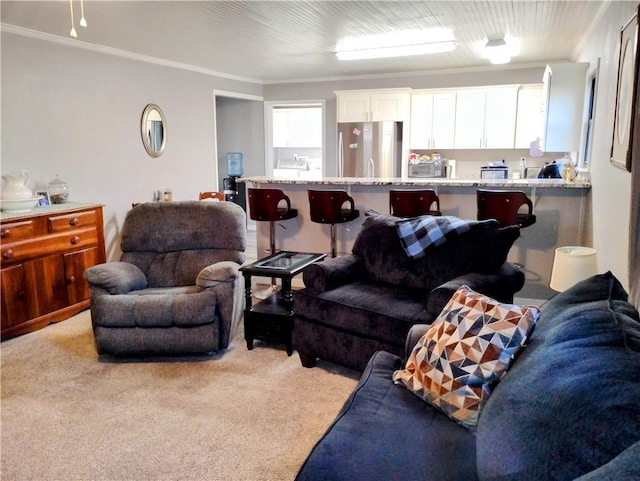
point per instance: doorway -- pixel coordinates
(294, 139)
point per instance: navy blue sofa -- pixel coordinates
(568, 409)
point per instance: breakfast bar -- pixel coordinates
(561, 208)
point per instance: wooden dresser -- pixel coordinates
(44, 253)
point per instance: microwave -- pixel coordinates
(434, 168)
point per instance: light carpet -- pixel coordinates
(240, 415)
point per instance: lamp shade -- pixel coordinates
(571, 265)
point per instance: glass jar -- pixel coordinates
(58, 191)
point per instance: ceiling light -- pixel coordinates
(397, 51)
(73, 32)
(396, 44)
(498, 51)
(83, 22)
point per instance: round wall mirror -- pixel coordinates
(154, 130)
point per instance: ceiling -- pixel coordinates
(274, 42)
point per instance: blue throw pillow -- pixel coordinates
(572, 401)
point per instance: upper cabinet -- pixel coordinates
(529, 118)
(373, 105)
(297, 127)
(563, 98)
(433, 119)
(486, 118)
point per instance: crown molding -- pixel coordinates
(73, 42)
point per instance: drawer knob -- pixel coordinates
(74, 221)
(8, 254)
(75, 239)
(5, 233)
(72, 279)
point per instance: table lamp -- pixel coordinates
(571, 265)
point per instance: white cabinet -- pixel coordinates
(563, 95)
(529, 118)
(373, 105)
(486, 118)
(297, 127)
(433, 116)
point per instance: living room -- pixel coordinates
(74, 110)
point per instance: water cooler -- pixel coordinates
(234, 191)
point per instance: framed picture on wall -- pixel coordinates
(625, 95)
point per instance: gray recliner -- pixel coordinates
(176, 289)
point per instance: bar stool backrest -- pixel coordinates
(505, 207)
(328, 206)
(269, 205)
(412, 203)
(211, 195)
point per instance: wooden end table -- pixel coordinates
(272, 318)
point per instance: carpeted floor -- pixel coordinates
(242, 415)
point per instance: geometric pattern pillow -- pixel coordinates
(467, 349)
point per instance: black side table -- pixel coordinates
(272, 318)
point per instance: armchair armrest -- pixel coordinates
(116, 277)
(501, 286)
(331, 273)
(224, 272)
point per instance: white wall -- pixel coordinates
(611, 186)
(76, 113)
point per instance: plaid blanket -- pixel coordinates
(419, 234)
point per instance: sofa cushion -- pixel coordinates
(483, 249)
(572, 401)
(385, 433)
(467, 349)
(370, 309)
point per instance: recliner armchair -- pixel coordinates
(176, 289)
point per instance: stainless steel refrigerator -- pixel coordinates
(369, 149)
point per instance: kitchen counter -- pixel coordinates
(421, 182)
(561, 208)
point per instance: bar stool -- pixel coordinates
(265, 206)
(504, 206)
(327, 207)
(211, 195)
(412, 203)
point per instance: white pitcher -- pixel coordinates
(15, 187)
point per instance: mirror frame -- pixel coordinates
(143, 130)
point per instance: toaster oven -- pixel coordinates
(494, 172)
(434, 168)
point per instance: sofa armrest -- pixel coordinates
(414, 335)
(501, 285)
(116, 277)
(224, 272)
(331, 273)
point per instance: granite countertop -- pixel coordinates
(46, 210)
(382, 181)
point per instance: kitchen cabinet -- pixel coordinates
(297, 127)
(563, 96)
(486, 118)
(433, 119)
(42, 263)
(529, 115)
(373, 105)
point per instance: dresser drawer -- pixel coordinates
(46, 245)
(60, 223)
(16, 231)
